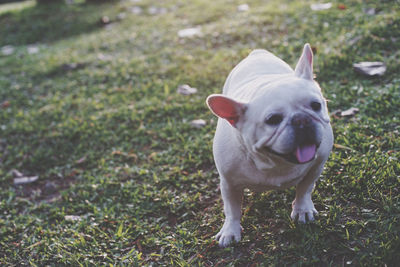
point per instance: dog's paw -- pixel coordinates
(303, 211)
(229, 232)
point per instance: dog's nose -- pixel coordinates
(300, 120)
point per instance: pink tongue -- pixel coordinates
(305, 153)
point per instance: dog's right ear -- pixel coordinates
(304, 68)
(226, 108)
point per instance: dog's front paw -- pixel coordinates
(303, 210)
(230, 231)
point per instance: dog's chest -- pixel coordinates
(252, 175)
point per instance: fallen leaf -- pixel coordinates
(338, 146)
(121, 16)
(53, 198)
(16, 173)
(7, 50)
(5, 104)
(36, 244)
(72, 218)
(153, 10)
(136, 10)
(33, 49)
(321, 6)
(25, 180)
(81, 160)
(337, 113)
(190, 32)
(370, 68)
(243, 8)
(349, 112)
(105, 20)
(198, 123)
(185, 89)
(124, 154)
(152, 155)
(370, 11)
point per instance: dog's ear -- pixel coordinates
(226, 108)
(304, 68)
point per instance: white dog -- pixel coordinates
(273, 132)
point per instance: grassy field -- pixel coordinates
(89, 104)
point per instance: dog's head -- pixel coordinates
(288, 119)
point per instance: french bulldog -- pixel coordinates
(273, 132)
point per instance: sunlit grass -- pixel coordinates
(16, 6)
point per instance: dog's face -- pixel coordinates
(287, 119)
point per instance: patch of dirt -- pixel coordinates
(48, 190)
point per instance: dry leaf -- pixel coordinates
(152, 155)
(25, 180)
(190, 32)
(7, 50)
(81, 160)
(370, 11)
(337, 113)
(5, 104)
(33, 49)
(136, 10)
(121, 16)
(16, 173)
(153, 10)
(21, 179)
(321, 6)
(370, 68)
(124, 154)
(105, 20)
(72, 218)
(243, 8)
(198, 123)
(185, 89)
(338, 146)
(350, 112)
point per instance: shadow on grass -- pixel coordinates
(48, 23)
(9, 1)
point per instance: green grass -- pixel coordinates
(96, 115)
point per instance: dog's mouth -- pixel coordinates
(302, 154)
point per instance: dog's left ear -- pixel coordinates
(304, 68)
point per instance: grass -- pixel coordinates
(124, 179)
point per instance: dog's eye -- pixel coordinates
(316, 106)
(274, 119)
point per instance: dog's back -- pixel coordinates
(258, 63)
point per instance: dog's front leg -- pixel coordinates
(302, 205)
(232, 198)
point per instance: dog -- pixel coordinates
(273, 132)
